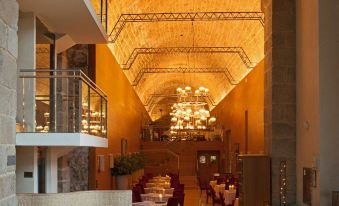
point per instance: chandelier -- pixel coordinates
(190, 112)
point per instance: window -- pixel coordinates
(213, 159)
(202, 159)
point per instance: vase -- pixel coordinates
(122, 182)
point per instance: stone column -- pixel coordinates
(280, 93)
(9, 12)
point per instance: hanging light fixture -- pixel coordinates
(190, 112)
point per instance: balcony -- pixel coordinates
(60, 108)
(76, 20)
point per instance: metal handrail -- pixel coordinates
(168, 151)
(81, 75)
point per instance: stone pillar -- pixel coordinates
(280, 93)
(328, 164)
(9, 12)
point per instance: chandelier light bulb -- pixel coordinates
(179, 89)
(202, 89)
(212, 119)
(186, 118)
(206, 90)
(174, 119)
(188, 88)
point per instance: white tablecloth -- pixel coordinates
(229, 196)
(163, 185)
(219, 188)
(159, 190)
(155, 197)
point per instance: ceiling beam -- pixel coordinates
(224, 71)
(182, 16)
(170, 50)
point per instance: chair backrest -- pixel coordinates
(220, 180)
(177, 193)
(140, 187)
(136, 196)
(180, 197)
(222, 199)
(172, 201)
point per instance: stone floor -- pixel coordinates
(193, 198)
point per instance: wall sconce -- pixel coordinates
(283, 183)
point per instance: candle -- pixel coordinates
(160, 197)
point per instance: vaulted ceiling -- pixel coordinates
(162, 45)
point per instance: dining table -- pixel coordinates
(230, 196)
(159, 190)
(154, 197)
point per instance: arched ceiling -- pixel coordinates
(146, 42)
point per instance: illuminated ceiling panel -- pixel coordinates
(246, 33)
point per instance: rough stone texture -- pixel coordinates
(280, 93)
(77, 57)
(89, 198)
(78, 163)
(9, 11)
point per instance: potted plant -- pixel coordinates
(122, 169)
(137, 161)
(127, 167)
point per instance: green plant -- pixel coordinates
(124, 165)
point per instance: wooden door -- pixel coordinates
(208, 164)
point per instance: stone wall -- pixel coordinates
(88, 198)
(78, 164)
(75, 57)
(280, 93)
(9, 12)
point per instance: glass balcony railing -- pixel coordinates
(60, 101)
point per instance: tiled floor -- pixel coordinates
(193, 198)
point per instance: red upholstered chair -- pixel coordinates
(215, 198)
(180, 197)
(136, 196)
(172, 201)
(220, 180)
(222, 198)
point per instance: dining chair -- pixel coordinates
(215, 198)
(172, 201)
(136, 196)
(222, 198)
(180, 197)
(141, 187)
(220, 180)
